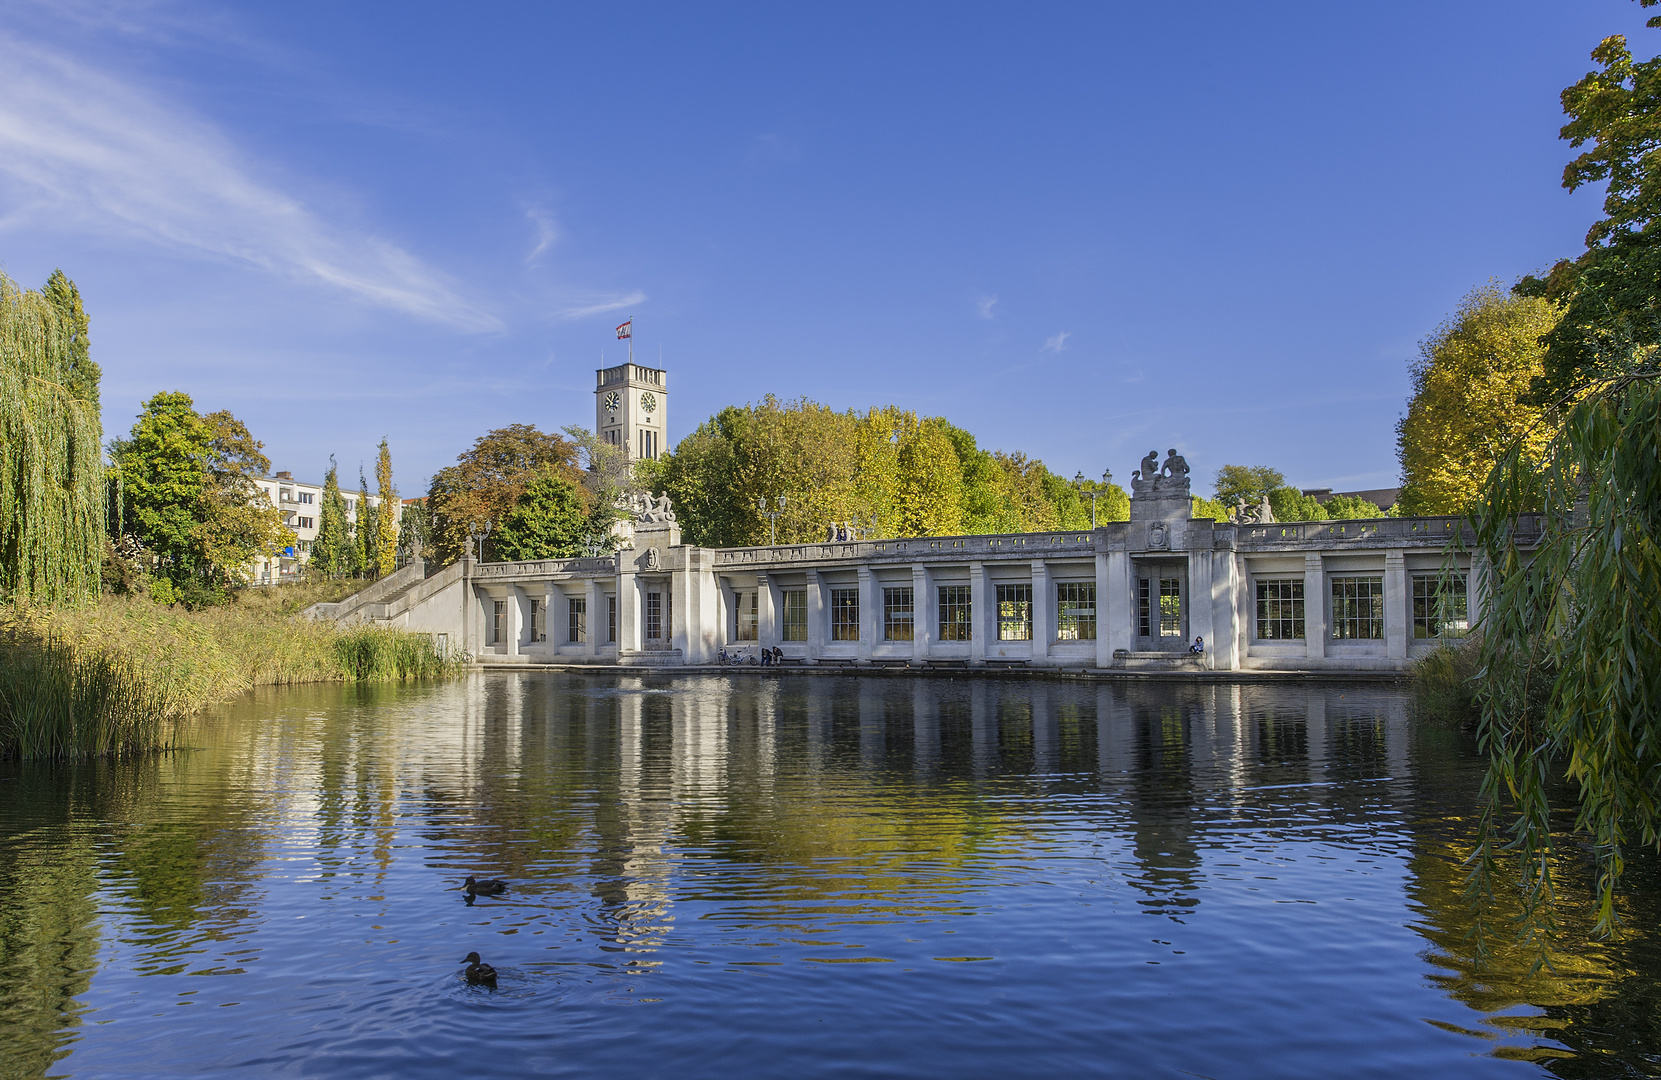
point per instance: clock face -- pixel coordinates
(613, 400)
(648, 401)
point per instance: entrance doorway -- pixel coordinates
(1161, 607)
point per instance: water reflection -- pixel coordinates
(945, 867)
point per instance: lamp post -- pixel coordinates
(1107, 478)
(477, 535)
(772, 517)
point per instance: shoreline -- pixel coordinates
(1001, 673)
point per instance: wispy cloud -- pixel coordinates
(1057, 342)
(601, 305)
(985, 305)
(547, 233)
(86, 149)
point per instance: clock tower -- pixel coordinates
(631, 409)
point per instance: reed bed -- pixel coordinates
(124, 675)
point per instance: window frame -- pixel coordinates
(793, 614)
(576, 620)
(1423, 619)
(746, 620)
(1291, 610)
(897, 615)
(1073, 612)
(1368, 589)
(954, 609)
(844, 613)
(1014, 611)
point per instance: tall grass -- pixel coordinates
(122, 675)
(1444, 684)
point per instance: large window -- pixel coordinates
(954, 613)
(654, 616)
(744, 619)
(576, 619)
(498, 620)
(795, 614)
(1075, 611)
(1166, 593)
(611, 620)
(1014, 612)
(844, 614)
(1280, 609)
(304, 523)
(1358, 608)
(897, 614)
(1440, 606)
(535, 632)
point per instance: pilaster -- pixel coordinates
(767, 606)
(922, 613)
(1202, 615)
(817, 619)
(628, 612)
(1112, 595)
(596, 598)
(870, 613)
(1314, 607)
(1395, 605)
(983, 620)
(1043, 609)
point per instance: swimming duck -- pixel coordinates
(478, 972)
(487, 887)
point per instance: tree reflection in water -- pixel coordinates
(770, 821)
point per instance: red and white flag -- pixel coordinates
(625, 330)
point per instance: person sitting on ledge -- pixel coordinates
(1198, 648)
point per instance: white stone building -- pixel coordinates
(301, 504)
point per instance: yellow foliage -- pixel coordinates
(1464, 410)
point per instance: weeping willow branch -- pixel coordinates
(1571, 672)
(52, 488)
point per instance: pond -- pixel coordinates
(795, 876)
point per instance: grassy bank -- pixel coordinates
(124, 674)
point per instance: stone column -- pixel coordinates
(870, 613)
(1043, 609)
(1396, 612)
(817, 619)
(1202, 617)
(922, 613)
(470, 643)
(1225, 588)
(983, 619)
(1476, 580)
(595, 595)
(1314, 607)
(1112, 568)
(1116, 606)
(515, 629)
(628, 612)
(767, 604)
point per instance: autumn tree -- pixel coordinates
(366, 531)
(487, 480)
(1464, 411)
(387, 520)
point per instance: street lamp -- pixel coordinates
(1107, 478)
(477, 535)
(772, 517)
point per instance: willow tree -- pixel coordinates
(52, 491)
(1571, 633)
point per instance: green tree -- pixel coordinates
(1290, 504)
(549, 520)
(1612, 289)
(331, 552)
(487, 480)
(52, 484)
(366, 531)
(1247, 485)
(164, 474)
(1464, 411)
(1210, 508)
(930, 491)
(610, 482)
(1571, 632)
(413, 527)
(1348, 507)
(237, 522)
(387, 519)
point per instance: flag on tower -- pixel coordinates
(625, 330)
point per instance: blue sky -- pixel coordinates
(1080, 231)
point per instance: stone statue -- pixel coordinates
(1150, 465)
(651, 558)
(1261, 514)
(652, 510)
(1176, 468)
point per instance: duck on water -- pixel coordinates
(478, 973)
(487, 887)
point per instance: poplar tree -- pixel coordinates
(331, 551)
(52, 490)
(365, 533)
(386, 520)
